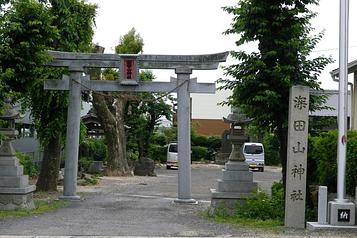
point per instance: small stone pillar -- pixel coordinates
(237, 182)
(322, 206)
(15, 191)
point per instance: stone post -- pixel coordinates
(322, 206)
(72, 136)
(184, 136)
(295, 193)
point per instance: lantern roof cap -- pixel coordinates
(10, 113)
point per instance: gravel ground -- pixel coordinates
(144, 206)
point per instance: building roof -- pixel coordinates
(332, 101)
(352, 67)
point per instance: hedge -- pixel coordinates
(323, 155)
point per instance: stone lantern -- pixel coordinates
(237, 182)
(238, 122)
(15, 191)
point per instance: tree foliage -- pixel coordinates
(262, 79)
(143, 114)
(27, 29)
(130, 43)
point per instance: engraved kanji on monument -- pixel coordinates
(295, 193)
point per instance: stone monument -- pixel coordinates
(15, 191)
(296, 167)
(237, 182)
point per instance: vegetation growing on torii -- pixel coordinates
(261, 79)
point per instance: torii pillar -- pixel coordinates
(184, 136)
(129, 66)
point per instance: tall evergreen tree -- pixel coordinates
(262, 79)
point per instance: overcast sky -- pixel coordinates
(196, 26)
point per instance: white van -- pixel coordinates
(254, 155)
(171, 157)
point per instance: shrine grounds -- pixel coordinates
(143, 206)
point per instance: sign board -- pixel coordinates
(129, 70)
(343, 215)
(297, 157)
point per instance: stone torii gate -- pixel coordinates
(129, 65)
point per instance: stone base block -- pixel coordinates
(228, 195)
(9, 161)
(18, 191)
(14, 182)
(242, 176)
(315, 226)
(16, 201)
(96, 167)
(341, 213)
(221, 158)
(11, 170)
(236, 186)
(237, 166)
(186, 201)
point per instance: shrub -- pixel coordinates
(214, 142)
(324, 153)
(211, 143)
(159, 139)
(261, 206)
(84, 163)
(199, 140)
(29, 167)
(271, 149)
(199, 153)
(94, 148)
(157, 152)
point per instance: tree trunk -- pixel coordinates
(283, 138)
(111, 116)
(47, 180)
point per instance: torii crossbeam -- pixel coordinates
(129, 66)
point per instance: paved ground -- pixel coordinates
(143, 206)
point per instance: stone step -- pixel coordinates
(14, 182)
(243, 176)
(9, 161)
(236, 186)
(11, 170)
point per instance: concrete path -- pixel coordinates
(144, 207)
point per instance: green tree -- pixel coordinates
(130, 43)
(110, 109)
(143, 114)
(28, 28)
(262, 79)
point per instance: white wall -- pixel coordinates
(204, 106)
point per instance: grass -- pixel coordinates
(44, 202)
(269, 224)
(220, 216)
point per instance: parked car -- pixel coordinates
(254, 155)
(171, 157)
